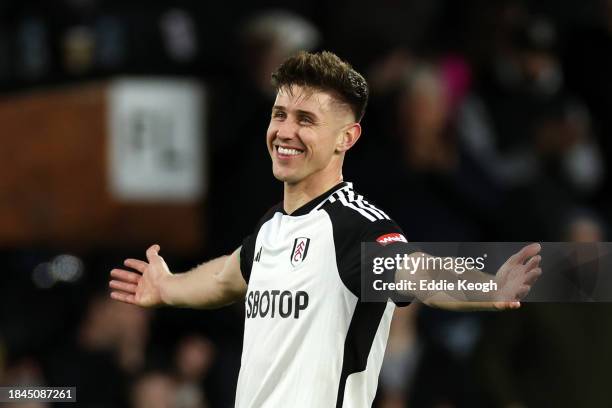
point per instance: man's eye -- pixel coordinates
(278, 114)
(306, 120)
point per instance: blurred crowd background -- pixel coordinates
(489, 120)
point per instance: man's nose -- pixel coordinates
(286, 130)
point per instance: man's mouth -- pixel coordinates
(288, 151)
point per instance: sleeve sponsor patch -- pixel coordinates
(390, 238)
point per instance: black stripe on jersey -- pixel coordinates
(358, 343)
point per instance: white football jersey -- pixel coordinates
(308, 339)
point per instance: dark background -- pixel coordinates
(488, 121)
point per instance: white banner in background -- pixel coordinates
(157, 140)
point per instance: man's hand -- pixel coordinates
(516, 276)
(142, 288)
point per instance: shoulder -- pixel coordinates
(278, 208)
(247, 250)
(250, 240)
(354, 216)
(356, 220)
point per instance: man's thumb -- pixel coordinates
(152, 252)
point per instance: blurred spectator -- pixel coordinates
(531, 135)
(110, 344)
(445, 377)
(423, 123)
(383, 26)
(242, 181)
(24, 372)
(388, 70)
(585, 228)
(587, 61)
(526, 358)
(441, 193)
(154, 390)
(194, 356)
(401, 359)
(269, 38)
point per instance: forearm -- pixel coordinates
(443, 301)
(206, 286)
(456, 293)
(471, 299)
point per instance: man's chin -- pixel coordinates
(286, 178)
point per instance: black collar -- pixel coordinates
(309, 206)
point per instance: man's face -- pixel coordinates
(305, 134)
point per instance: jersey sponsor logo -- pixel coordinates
(274, 303)
(258, 256)
(299, 251)
(389, 238)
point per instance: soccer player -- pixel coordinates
(309, 341)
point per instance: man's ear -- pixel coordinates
(349, 137)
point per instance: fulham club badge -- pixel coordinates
(299, 251)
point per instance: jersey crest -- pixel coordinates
(299, 251)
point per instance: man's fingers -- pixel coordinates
(522, 291)
(527, 252)
(123, 297)
(533, 262)
(532, 276)
(125, 276)
(507, 305)
(137, 264)
(152, 252)
(124, 286)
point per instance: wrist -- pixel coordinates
(166, 293)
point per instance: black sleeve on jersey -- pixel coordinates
(247, 251)
(350, 230)
(389, 250)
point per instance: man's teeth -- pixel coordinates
(289, 152)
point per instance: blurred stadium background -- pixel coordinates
(127, 123)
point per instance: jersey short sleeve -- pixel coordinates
(385, 238)
(247, 251)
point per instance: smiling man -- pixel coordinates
(309, 341)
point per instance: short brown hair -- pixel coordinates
(325, 71)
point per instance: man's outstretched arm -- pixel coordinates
(210, 285)
(514, 280)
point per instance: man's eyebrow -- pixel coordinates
(298, 111)
(304, 112)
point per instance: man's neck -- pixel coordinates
(296, 195)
